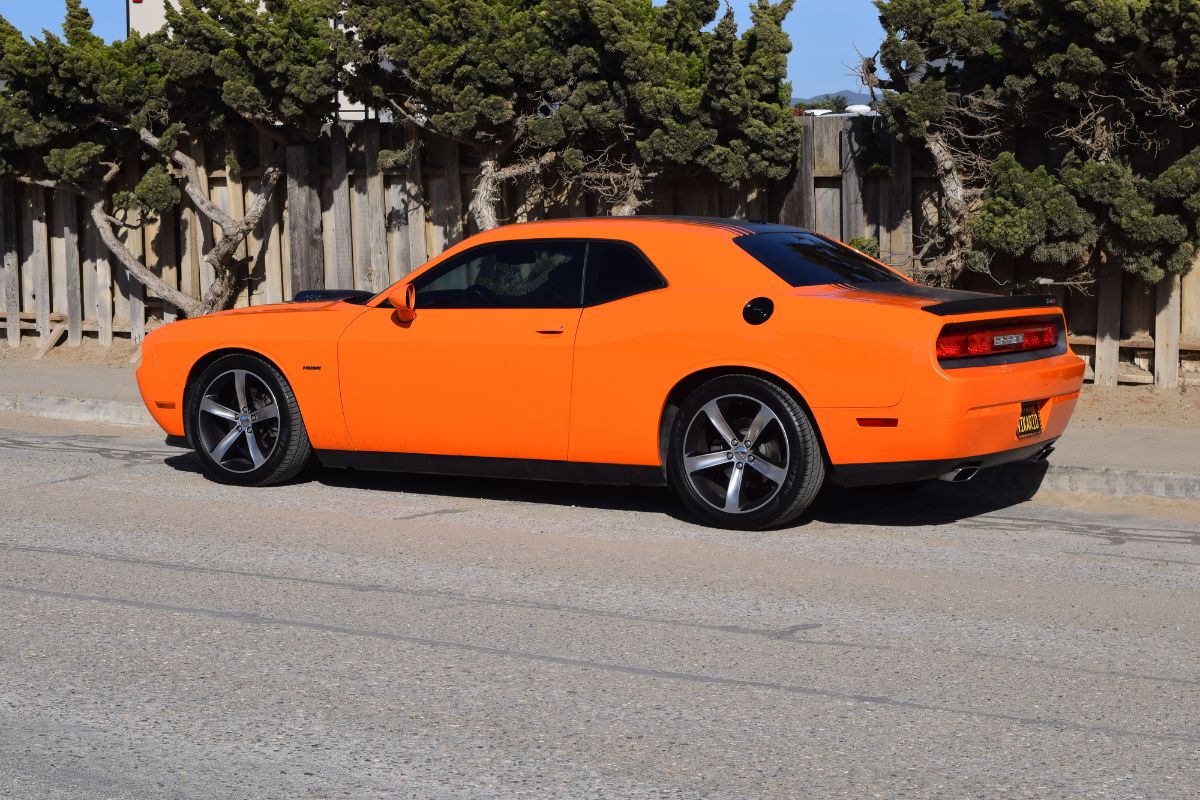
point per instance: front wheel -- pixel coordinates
(244, 423)
(743, 454)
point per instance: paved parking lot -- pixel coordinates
(357, 635)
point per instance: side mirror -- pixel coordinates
(404, 300)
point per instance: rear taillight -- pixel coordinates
(993, 340)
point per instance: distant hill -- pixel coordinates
(852, 98)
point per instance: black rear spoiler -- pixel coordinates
(973, 305)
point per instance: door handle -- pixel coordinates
(551, 331)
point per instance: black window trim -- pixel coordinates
(451, 263)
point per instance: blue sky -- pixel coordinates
(824, 34)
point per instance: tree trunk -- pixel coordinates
(954, 201)
(141, 273)
(955, 211)
(487, 193)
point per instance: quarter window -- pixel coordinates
(806, 259)
(510, 275)
(616, 270)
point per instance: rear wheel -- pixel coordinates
(743, 454)
(244, 423)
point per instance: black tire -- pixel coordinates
(783, 468)
(276, 447)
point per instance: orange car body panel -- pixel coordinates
(591, 385)
(480, 382)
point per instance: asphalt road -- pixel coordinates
(371, 636)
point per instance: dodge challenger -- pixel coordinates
(742, 364)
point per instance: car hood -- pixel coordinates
(280, 308)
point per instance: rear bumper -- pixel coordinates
(851, 475)
(945, 419)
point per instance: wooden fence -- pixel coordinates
(337, 221)
(341, 221)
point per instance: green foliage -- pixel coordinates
(835, 103)
(588, 82)
(1108, 82)
(930, 48)
(866, 245)
(1060, 218)
(156, 191)
(73, 163)
(1030, 214)
(272, 64)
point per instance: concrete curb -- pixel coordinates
(108, 412)
(1015, 479)
(1027, 479)
(1121, 482)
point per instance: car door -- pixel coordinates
(485, 367)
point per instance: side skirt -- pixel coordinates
(482, 467)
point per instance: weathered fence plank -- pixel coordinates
(853, 218)
(304, 219)
(452, 168)
(343, 254)
(204, 233)
(8, 263)
(414, 210)
(1108, 324)
(72, 269)
(58, 252)
(900, 207)
(38, 263)
(1166, 333)
(101, 309)
(376, 221)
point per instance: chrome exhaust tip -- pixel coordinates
(959, 475)
(1044, 453)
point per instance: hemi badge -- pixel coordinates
(312, 367)
(1008, 340)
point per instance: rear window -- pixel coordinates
(806, 259)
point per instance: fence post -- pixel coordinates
(799, 196)
(97, 255)
(1167, 324)
(852, 188)
(807, 176)
(343, 252)
(376, 243)
(1108, 324)
(454, 207)
(39, 258)
(8, 258)
(900, 204)
(70, 227)
(304, 219)
(414, 190)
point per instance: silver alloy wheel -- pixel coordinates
(239, 421)
(735, 454)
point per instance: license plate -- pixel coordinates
(1030, 421)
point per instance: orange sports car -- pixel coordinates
(740, 363)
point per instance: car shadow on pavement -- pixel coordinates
(928, 503)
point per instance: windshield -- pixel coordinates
(807, 259)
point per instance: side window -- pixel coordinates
(616, 270)
(509, 275)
